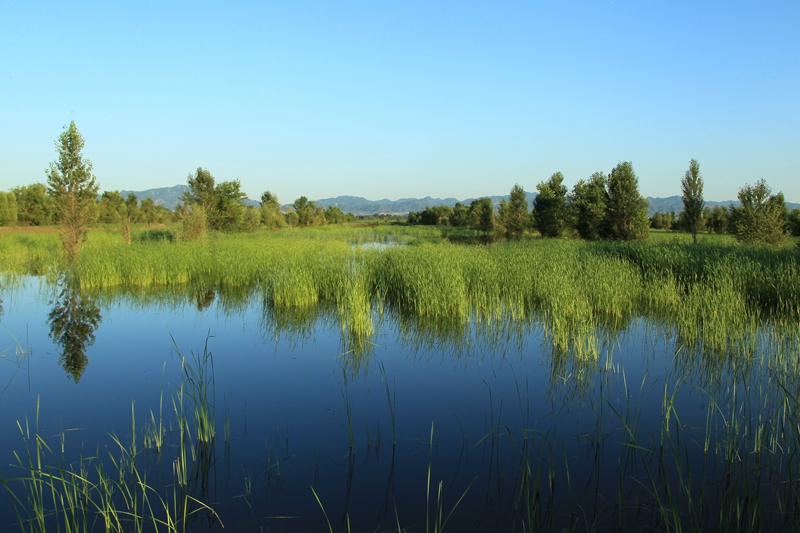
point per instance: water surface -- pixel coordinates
(488, 418)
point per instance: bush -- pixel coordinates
(194, 224)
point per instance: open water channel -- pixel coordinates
(421, 427)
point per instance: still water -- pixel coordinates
(421, 427)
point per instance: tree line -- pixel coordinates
(609, 206)
(223, 204)
(761, 218)
(604, 206)
(210, 205)
(70, 199)
(600, 207)
(33, 205)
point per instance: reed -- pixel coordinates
(567, 284)
(438, 521)
(85, 496)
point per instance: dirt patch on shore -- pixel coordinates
(29, 229)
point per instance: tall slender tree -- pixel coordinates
(692, 196)
(73, 187)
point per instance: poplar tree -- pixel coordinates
(73, 187)
(692, 196)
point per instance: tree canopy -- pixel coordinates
(762, 217)
(627, 209)
(514, 213)
(8, 209)
(549, 207)
(34, 206)
(221, 202)
(588, 202)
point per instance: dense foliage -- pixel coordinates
(549, 208)
(762, 217)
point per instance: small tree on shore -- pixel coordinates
(762, 217)
(271, 214)
(73, 187)
(718, 220)
(221, 202)
(482, 211)
(692, 196)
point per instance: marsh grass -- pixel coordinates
(733, 473)
(715, 293)
(16, 356)
(93, 493)
(112, 493)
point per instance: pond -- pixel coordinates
(221, 410)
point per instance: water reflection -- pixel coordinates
(575, 349)
(73, 321)
(204, 298)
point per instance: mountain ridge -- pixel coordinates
(169, 197)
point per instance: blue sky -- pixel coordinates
(404, 99)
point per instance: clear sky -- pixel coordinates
(392, 99)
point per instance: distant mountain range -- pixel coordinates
(169, 197)
(362, 206)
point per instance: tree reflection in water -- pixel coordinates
(73, 322)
